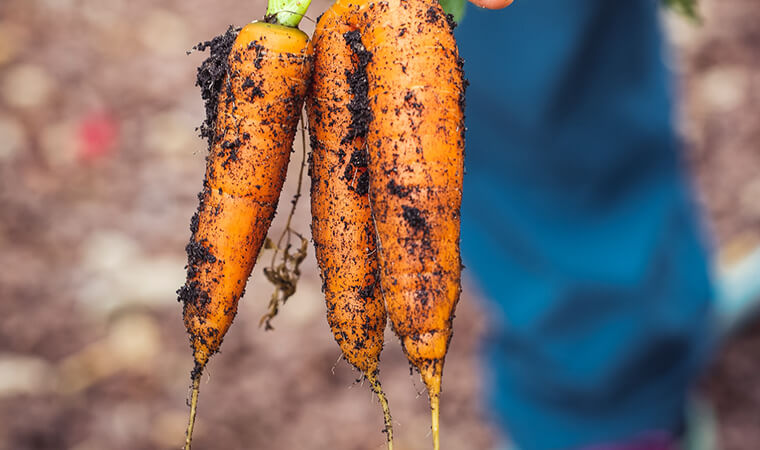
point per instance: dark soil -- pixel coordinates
(414, 218)
(361, 115)
(211, 75)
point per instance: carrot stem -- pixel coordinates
(193, 409)
(454, 7)
(435, 412)
(287, 12)
(375, 384)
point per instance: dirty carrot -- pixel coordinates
(416, 150)
(342, 229)
(254, 83)
(415, 144)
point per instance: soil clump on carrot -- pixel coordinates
(361, 115)
(210, 77)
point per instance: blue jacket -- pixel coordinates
(578, 222)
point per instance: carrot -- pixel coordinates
(342, 229)
(254, 85)
(415, 144)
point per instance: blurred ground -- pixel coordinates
(99, 167)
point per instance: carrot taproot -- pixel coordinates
(342, 229)
(415, 145)
(254, 84)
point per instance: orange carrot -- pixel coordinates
(343, 233)
(254, 87)
(415, 145)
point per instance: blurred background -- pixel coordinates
(99, 167)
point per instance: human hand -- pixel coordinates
(456, 7)
(492, 4)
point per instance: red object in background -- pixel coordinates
(98, 134)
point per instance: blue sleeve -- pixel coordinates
(579, 224)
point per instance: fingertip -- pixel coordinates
(492, 4)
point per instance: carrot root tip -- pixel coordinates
(378, 389)
(435, 414)
(193, 406)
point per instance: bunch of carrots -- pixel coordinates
(384, 91)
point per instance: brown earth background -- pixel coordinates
(99, 168)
